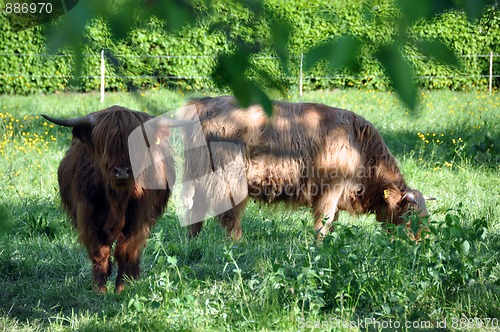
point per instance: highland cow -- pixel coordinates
(305, 154)
(99, 193)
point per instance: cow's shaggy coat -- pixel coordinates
(305, 154)
(100, 195)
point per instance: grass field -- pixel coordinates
(276, 277)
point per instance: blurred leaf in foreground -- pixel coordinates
(342, 52)
(439, 51)
(400, 73)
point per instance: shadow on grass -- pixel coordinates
(44, 272)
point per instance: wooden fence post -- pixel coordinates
(103, 73)
(491, 73)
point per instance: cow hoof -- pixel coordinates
(236, 235)
(321, 234)
(119, 288)
(101, 289)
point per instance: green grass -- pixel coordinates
(277, 277)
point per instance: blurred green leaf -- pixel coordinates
(264, 101)
(474, 8)
(339, 53)
(439, 51)
(281, 31)
(230, 68)
(249, 93)
(175, 13)
(231, 71)
(400, 73)
(413, 10)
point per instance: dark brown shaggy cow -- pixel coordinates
(100, 195)
(305, 154)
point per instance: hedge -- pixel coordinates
(312, 21)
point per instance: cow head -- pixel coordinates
(105, 135)
(399, 202)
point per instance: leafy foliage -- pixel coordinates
(347, 43)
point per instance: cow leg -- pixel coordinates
(195, 216)
(100, 254)
(335, 218)
(194, 229)
(127, 254)
(325, 211)
(97, 244)
(231, 220)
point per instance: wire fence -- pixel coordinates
(299, 78)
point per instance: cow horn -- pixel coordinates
(74, 122)
(410, 197)
(428, 198)
(178, 123)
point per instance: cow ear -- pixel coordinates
(392, 196)
(83, 133)
(163, 132)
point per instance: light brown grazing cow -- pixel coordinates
(305, 154)
(99, 193)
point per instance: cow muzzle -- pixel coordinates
(122, 173)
